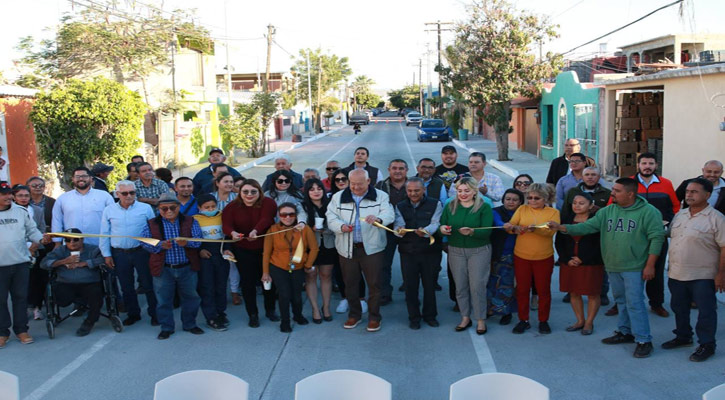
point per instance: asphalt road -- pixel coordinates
(420, 364)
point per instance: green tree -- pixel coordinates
(407, 97)
(491, 61)
(362, 88)
(83, 122)
(332, 70)
(268, 106)
(242, 129)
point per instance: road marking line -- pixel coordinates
(412, 159)
(324, 164)
(485, 359)
(48, 385)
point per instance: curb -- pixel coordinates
(271, 156)
(512, 172)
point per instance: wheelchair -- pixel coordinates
(53, 310)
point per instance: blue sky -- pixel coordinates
(383, 39)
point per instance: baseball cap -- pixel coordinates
(5, 187)
(448, 148)
(72, 230)
(168, 197)
(216, 150)
(100, 168)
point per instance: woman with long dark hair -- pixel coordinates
(315, 205)
(38, 277)
(283, 190)
(248, 216)
(224, 190)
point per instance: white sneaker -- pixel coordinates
(342, 307)
(534, 302)
(364, 305)
(37, 314)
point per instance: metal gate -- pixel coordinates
(585, 129)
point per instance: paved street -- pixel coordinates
(420, 364)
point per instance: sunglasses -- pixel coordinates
(533, 198)
(286, 215)
(522, 183)
(250, 192)
(331, 169)
(340, 179)
(168, 208)
(73, 240)
(37, 186)
(283, 181)
(130, 193)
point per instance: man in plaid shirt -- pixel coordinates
(149, 188)
(489, 185)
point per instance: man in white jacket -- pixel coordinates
(351, 214)
(16, 228)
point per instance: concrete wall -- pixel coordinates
(691, 133)
(19, 148)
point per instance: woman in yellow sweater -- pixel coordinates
(279, 263)
(534, 253)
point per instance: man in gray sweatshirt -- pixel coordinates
(16, 229)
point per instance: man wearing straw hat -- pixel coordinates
(420, 216)
(174, 263)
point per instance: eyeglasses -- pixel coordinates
(287, 215)
(37, 185)
(283, 181)
(533, 198)
(130, 193)
(340, 180)
(168, 208)
(249, 192)
(73, 240)
(331, 168)
(81, 176)
(527, 183)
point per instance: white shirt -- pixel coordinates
(4, 174)
(82, 211)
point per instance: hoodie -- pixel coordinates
(627, 235)
(16, 229)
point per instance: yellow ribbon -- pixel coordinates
(149, 241)
(399, 231)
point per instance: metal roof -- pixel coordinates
(16, 91)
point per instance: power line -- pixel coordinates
(282, 48)
(625, 26)
(568, 9)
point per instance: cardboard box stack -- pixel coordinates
(639, 129)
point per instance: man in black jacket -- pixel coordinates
(419, 259)
(361, 162)
(712, 171)
(205, 176)
(560, 165)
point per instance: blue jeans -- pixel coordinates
(14, 284)
(702, 292)
(628, 292)
(126, 262)
(213, 285)
(183, 279)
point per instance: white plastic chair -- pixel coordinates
(201, 384)
(9, 386)
(498, 386)
(343, 384)
(716, 393)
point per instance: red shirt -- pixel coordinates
(238, 217)
(328, 184)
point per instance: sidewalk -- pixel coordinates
(276, 147)
(521, 162)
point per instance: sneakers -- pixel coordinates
(364, 305)
(544, 328)
(37, 314)
(373, 326)
(643, 350)
(195, 331)
(534, 302)
(342, 307)
(677, 342)
(216, 324)
(703, 352)
(618, 338)
(85, 328)
(351, 323)
(521, 327)
(25, 338)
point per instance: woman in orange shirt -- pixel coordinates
(534, 253)
(278, 264)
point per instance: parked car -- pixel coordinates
(359, 118)
(369, 113)
(413, 117)
(434, 129)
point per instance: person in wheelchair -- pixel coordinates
(76, 266)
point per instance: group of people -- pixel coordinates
(287, 233)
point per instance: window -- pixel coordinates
(196, 68)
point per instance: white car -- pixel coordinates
(413, 117)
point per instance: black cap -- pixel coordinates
(100, 168)
(5, 187)
(216, 150)
(72, 230)
(448, 148)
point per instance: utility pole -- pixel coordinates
(440, 49)
(173, 95)
(309, 86)
(270, 33)
(420, 84)
(229, 68)
(319, 95)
